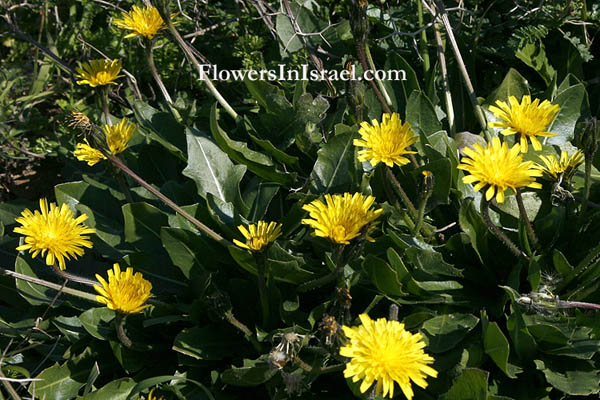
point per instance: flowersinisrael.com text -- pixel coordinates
(303, 74)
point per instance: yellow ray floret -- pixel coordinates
(528, 119)
(144, 21)
(151, 396)
(383, 352)
(125, 291)
(385, 142)
(259, 236)
(54, 232)
(566, 166)
(343, 217)
(498, 168)
(85, 152)
(99, 72)
(118, 136)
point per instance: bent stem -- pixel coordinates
(244, 329)
(205, 229)
(154, 71)
(485, 212)
(105, 90)
(330, 277)
(528, 226)
(261, 265)
(120, 328)
(71, 277)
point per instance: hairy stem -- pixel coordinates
(485, 212)
(205, 229)
(262, 285)
(401, 193)
(528, 226)
(446, 82)
(120, 328)
(154, 71)
(244, 329)
(423, 42)
(72, 277)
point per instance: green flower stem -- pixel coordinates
(414, 214)
(164, 13)
(154, 71)
(205, 229)
(329, 369)
(120, 328)
(72, 277)
(244, 329)
(50, 285)
(334, 275)
(421, 212)
(384, 92)
(441, 10)
(445, 80)
(105, 90)
(485, 212)
(261, 265)
(423, 43)
(123, 185)
(528, 226)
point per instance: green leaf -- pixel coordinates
(98, 323)
(513, 85)
(34, 294)
(143, 223)
(258, 195)
(471, 222)
(573, 377)
(334, 171)
(533, 53)
(160, 127)
(63, 381)
(211, 169)
(115, 390)
(253, 373)
(497, 347)
(570, 101)
(447, 330)
(404, 88)
(187, 250)
(561, 264)
(420, 114)
(383, 276)
(404, 276)
(207, 343)
(471, 384)
(431, 262)
(259, 163)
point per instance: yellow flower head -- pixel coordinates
(343, 218)
(383, 351)
(54, 232)
(527, 119)
(118, 136)
(77, 119)
(151, 396)
(386, 142)
(99, 72)
(498, 168)
(142, 21)
(566, 166)
(124, 292)
(85, 152)
(259, 236)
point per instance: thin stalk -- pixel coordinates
(50, 285)
(446, 82)
(577, 304)
(120, 328)
(154, 71)
(72, 277)
(105, 90)
(262, 286)
(528, 226)
(426, 193)
(205, 229)
(384, 92)
(244, 329)
(401, 193)
(164, 13)
(299, 362)
(361, 52)
(485, 212)
(423, 42)
(463, 69)
(11, 391)
(330, 277)
(123, 186)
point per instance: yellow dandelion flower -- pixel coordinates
(383, 351)
(498, 168)
(85, 152)
(387, 142)
(142, 21)
(54, 232)
(343, 218)
(99, 72)
(151, 396)
(259, 236)
(527, 119)
(125, 291)
(118, 136)
(566, 166)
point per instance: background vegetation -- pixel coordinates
(205, 337)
